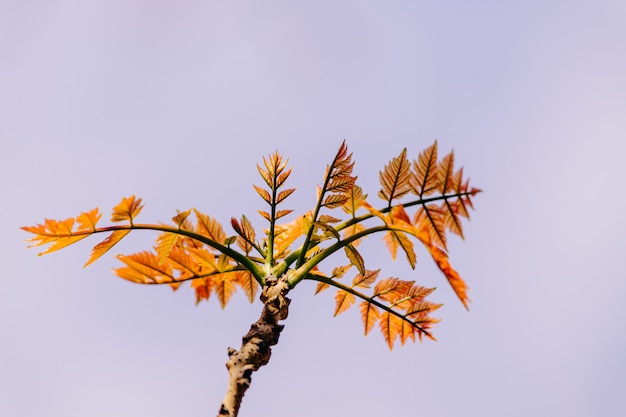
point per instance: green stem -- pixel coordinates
(305, 268)
(240, 258)
(358, 219)
(299, 254)
(191, 278)
(318, 207)
(269, 258)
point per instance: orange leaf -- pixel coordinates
(426, 178)
(446, 173)
(284, 194)
(203, 288)
(374, 211)
(282, 176)
(393, 239)
(282, 213)
(88, 220)
(245, 231)
(248, 284)
(369, 315)
(455, 280)
(343, 301)
(405, 331)
(390, 326)
(342, 183)
(180, 218)
(355, 198)
(365, 280)
(102, 247)
(338, 180)
(209, 227)
(451, 218)
(390, 289)
(325, 218)
(432, 218)
(265, 215)
(58, 233)
(265, 195)
(334, 201)
(127, 209)
(395, 178)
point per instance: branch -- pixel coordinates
(240, 258)
(282, 267)
(256, 345)
(370, 300)
(420, 201)
(174, 280)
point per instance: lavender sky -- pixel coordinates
(176, 101)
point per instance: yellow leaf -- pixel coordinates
(286, 234)
(353, 230)
(340, 271)
(144, 268)
(224, 287)
(61, 242)
(165, 243)
(204, 258)
(179, 260)
(355, 258)
(321, 286)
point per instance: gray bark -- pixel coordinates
(256, 345)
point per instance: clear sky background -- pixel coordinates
(176, 101)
